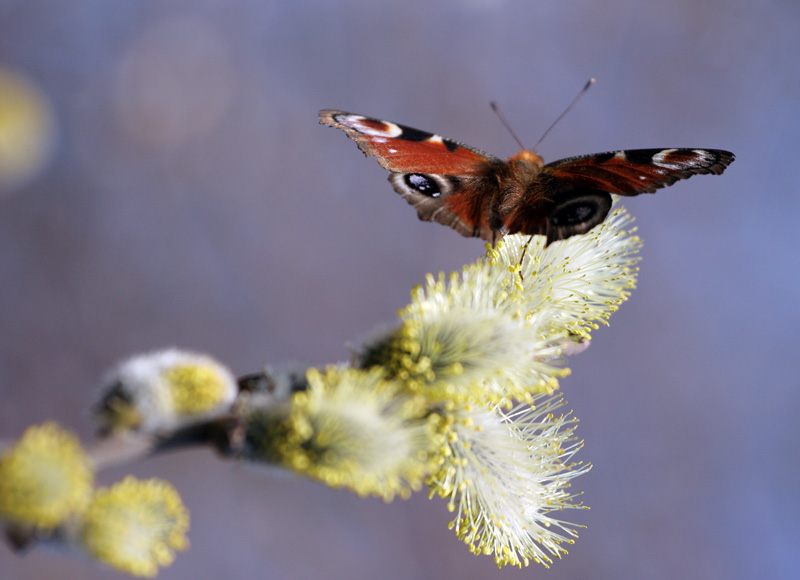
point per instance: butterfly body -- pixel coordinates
(480, 195)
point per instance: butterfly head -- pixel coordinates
(528, 159)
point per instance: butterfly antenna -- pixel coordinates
(504, 122)
(585, 88)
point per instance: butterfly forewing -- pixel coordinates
(638, 171)
(407, 150)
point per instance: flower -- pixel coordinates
(159, 390)
(350, 428)
(499, 330)
(448, 353)
(574, 283)
(27, 130)
(44, 478)
(505, 473)
(135, 526)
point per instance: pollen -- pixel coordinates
(44, 477)
(505, 472)
(162, 389)
(198, 388)
(136, 526)
(351, 428)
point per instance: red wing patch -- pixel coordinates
(404, 149)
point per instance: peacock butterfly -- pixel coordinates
(479, 195)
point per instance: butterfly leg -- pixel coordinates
(522, 256)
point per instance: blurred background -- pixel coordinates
(164, 181)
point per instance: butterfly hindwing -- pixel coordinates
(573, 211)
(453, 201)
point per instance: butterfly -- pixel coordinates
(480, 195)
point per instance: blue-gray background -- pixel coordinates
(193, 200)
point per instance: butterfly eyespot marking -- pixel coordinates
(368, 126)
(574, 213)
(584, 210)
(662, 159)
(424, 184)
